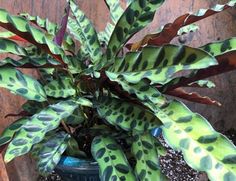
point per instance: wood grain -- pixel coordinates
(3, 171)
(219, 27)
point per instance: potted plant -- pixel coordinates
(101, 97)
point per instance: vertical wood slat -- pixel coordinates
(220, 26)
(3, 171)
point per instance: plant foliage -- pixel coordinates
(95, 100)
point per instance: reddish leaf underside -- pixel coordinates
(227, 62)
(17, 38)
(170, 30)
(193, 97)
(22, 114)
(27, 36)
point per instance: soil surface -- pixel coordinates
(172, 165)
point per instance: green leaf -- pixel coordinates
(45, 24)
(129, 1)
(84, 102)
(61, 88)
(22, 28)
(224, 53)
(142, 90)
(220, 47)
(145, 152)
(112, 162)
(76, 63)
(75, 30)
(48, 152)
(115, 13)
(21, 84)
(202, 149)
(183, 125)
(51, 28)
(10, 131)
(170, 30)
(115, 10)
(77, 117)
(128, 116)
(159, 64)
(188, 29)
(6, 34)
(136, 17)
(35, 52)
(105, 35)
(8, 46)
(33, 107)
(73, 149)
(34, 130)
(46, 74)
(30, 62)
(202, 83)
(82, 28)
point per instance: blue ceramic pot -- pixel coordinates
(73, 169)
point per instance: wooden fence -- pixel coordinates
(218, 27)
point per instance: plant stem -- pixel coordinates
(65, 127)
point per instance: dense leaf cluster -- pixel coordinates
(95, 100)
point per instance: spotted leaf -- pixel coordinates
(171, 30)
(159, 64)
(10, 131)
(77, 117)
(48, 152)
(226, 63)
(45, 24)
(126, 115)
(84, 29)
(46, 74)
(33, 107)
(201, 149)
(76, 63)
(142, 90)
(115, 12)
(146, 155)
(21, 84)
(30, 62)
(136, 17)
(22, 28)
(75, 30)
(105, 35)
(60, 88)
(51, 28)
(202, 83)
(187, 29)
(220, 47)
(8, 46)
(113, 164)
(34, 130)
(137, 45)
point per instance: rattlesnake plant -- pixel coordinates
(107, 94)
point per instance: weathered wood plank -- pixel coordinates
(3, 171)
(218, 27)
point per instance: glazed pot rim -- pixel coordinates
(77, 164)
